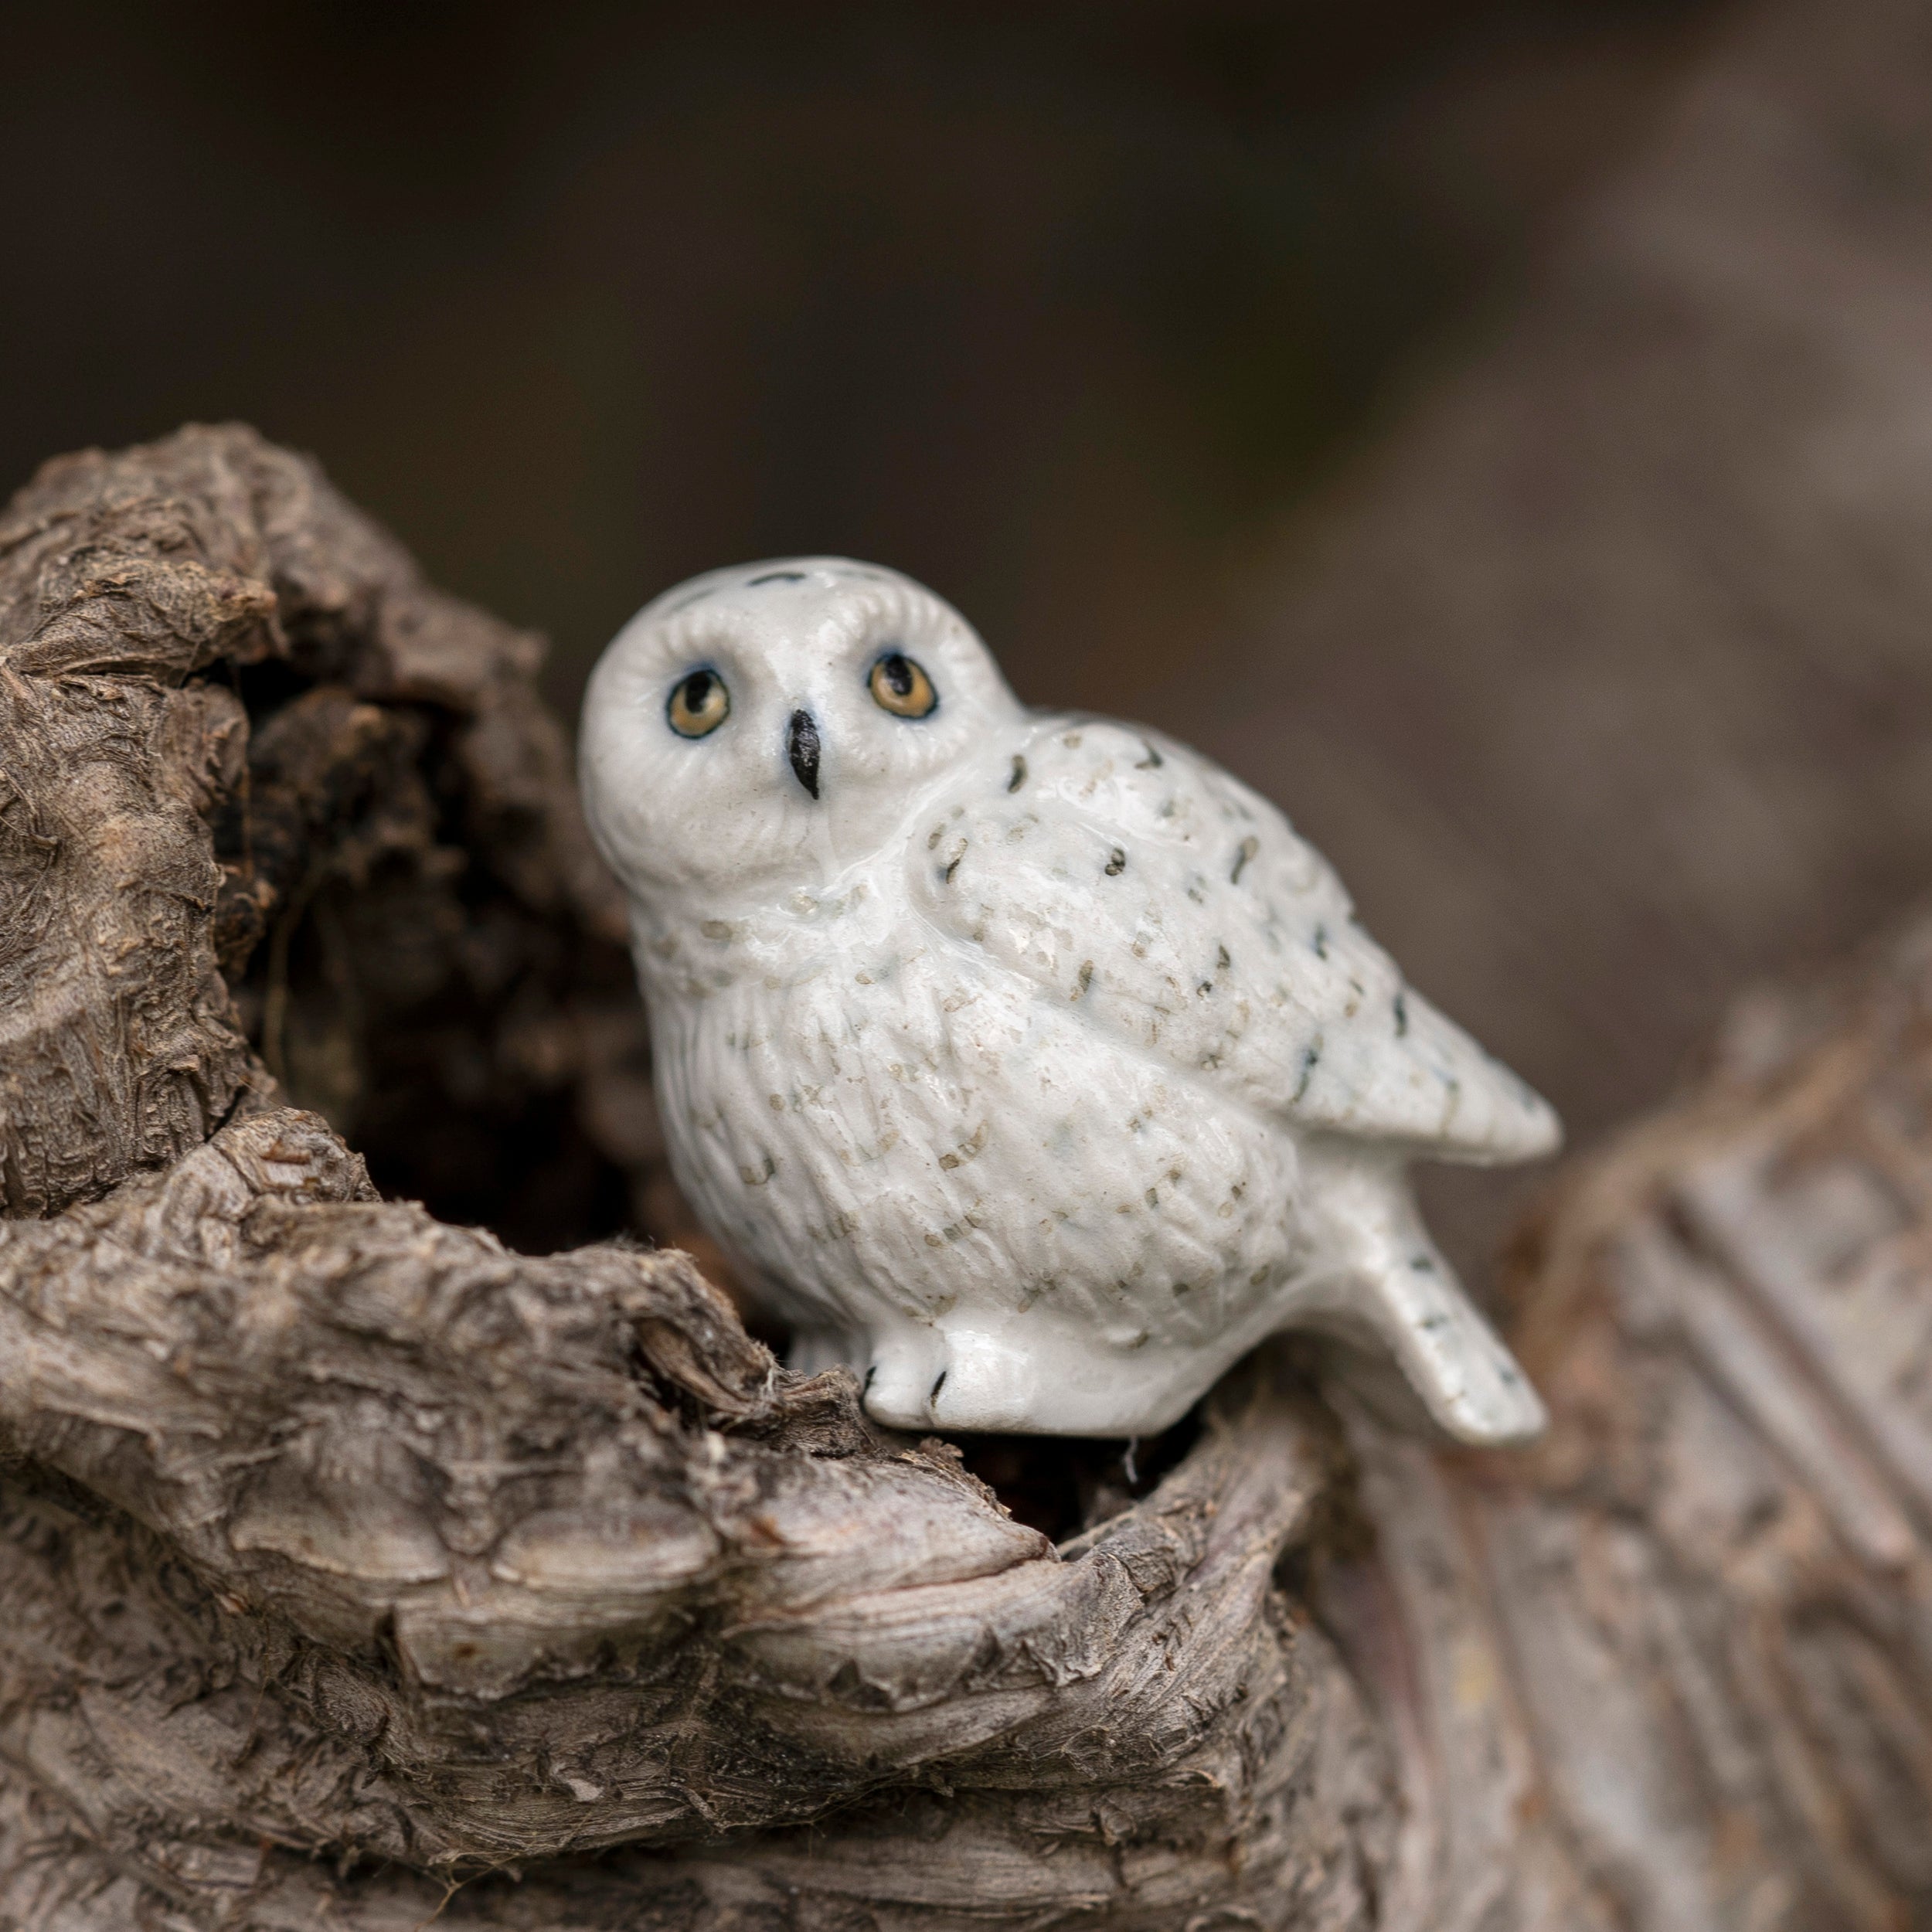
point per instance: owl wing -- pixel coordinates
(1136, 880)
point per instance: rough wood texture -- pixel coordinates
(1710, 1591)
(494, 1558)
(359, 1569)
(339, 1531)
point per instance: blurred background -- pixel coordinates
(1502, 432)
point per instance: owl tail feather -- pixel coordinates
(1398, 1298)
(1451, 1358)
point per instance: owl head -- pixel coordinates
(776, 721)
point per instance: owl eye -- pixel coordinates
(901, 687)
(699, 703)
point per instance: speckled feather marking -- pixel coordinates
(1036, 1065)
(936, 1137)
(1182, 912)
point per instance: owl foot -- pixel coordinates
(959, 1379)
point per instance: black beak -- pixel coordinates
(801, 746)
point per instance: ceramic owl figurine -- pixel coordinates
(1030, 1063)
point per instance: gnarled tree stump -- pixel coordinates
(360, 1570)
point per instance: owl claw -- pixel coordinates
(964, 1380)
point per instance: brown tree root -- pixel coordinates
(359, 1570)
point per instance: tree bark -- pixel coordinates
(363, 1568)
(355, 1556)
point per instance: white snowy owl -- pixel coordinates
(1032, 1064)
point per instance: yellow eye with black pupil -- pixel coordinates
(901, 687)
(699, 704)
